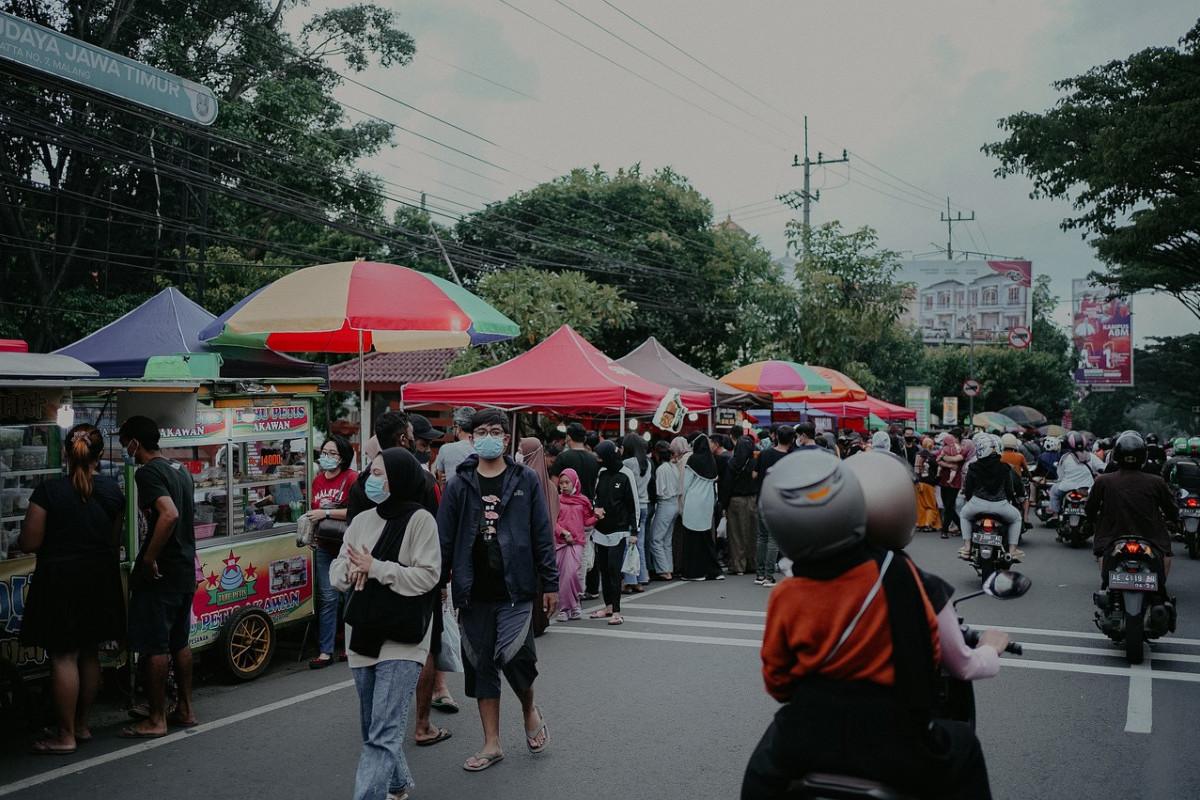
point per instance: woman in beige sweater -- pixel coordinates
(385, 672)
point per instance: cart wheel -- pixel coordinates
(247, 642)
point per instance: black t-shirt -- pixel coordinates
(585, 465)
(767, 459)
(76, 528)
(487, 559)
(177, 559)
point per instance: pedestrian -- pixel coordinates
(330, 499)
(575, 516)
(668, 486)
(76, 600)
(395, 543)
(532, 455)
(925, 464)
(741, 513)
(633, 449)
(768, 551)
(696, 511)
(163, 580)
(617, 523)
(451, 455)
(950, 462)
(579, 457)
(497, 540)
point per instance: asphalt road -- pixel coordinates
(671, 704)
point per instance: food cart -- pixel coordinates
(247, 445)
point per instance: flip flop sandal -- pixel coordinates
(600, 615)
(531, 736)
(445, 702)
(44, 749)
(442, 735)
(174, 719)
(133, 733)
(482, 761)
(617, 619)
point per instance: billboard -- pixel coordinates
(1103, 333)
(953, 300)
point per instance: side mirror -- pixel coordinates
(1006, 584)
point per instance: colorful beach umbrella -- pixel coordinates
(1052, 430)
(788, 380)
(356, 307)
(1024, 415)
(994, 422)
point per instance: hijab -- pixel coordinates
(576, 497)
(881, 441)
(610, 459)
(702, 461)
(534, 457)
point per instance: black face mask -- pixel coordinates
(422, 456)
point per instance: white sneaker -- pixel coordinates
(759, 581)
(768, 583)
(400, 795)
(719, 578)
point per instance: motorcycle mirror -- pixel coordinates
(1006, 584)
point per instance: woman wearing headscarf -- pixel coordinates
(668, 485)
(699, 499)
(575, 516)
(633, 448)
(534, 457)
(616, 521)
(396, 544)
(928, 518)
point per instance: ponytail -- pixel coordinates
(84, 446)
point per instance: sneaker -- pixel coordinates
(694, 580)
(759, 580)
(768, 583)
(721, 577)
(964, 552)
(397, 794)
(1017, 553)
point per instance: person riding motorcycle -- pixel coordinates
(1077, 469)
(1156, 456)
(1182, 470)
(1012, 455)
(1045, 467)
(853, 640)
(1130, 502)
(990, 488)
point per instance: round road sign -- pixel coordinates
(1019, 337)
(971, 387)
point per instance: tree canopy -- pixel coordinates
(1123, 145)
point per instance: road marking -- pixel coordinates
(720, 612)
(1096, 651)
(664, 637)
(151, 744)
(696, 623)
(1139, 711)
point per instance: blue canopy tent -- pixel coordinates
(169, 324)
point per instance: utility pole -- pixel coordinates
(806, 196)
(946, 218)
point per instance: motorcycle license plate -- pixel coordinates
(993, 539)
(1137, 581)
(1189, 512)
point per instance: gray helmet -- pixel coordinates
(891, 500)
(812, 505)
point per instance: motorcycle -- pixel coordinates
(1132, 605)
(956, 700)
(1041, 502)
(1074, 529)
(988, 551)
(1189, 522)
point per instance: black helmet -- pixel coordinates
(812, 505)
(1129, 451)
(1076, 442)
(1152, 439)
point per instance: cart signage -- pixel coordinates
(270, 574)
(15, 576)
(24, 406)
(209, 427)
(272, 419)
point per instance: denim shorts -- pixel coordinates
(159, 622)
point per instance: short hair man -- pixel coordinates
(497, 541)
(163, 582)
(453, 454)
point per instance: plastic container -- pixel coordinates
(30, 456)
(11, 438)
(206, 530)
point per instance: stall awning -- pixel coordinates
(654, 362)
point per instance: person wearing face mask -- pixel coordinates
(396, 544)
(497, 541)
(618, 512)
(330, 496)
(423, 434)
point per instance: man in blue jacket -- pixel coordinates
(497, 540)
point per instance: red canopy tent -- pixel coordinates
(889, 411)
(563, 373)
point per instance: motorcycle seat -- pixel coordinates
(845, 787)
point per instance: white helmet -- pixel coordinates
(985, 445)
(891, 502)
(1009, 441)
(1052, 444)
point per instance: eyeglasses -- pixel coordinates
(330, 453)
(497, 432)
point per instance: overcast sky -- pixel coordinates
(719, 90)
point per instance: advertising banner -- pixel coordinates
(1103, 333)
(209, 428)
(951, 301)
(270, 419)
(949, 411)
(918, 399)
(271, 574)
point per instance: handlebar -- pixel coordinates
(971, 637)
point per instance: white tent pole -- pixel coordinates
(363, 412)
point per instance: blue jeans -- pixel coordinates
(768, 551)
(327, 601)
(643, 576)
(662, 534)
(385, 693)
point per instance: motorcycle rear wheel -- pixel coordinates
(1134, 636)
(1193, 544)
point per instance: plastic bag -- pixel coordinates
(305, 532)
(450, 658)
(722, 529)
(632, 563)
(589, 555)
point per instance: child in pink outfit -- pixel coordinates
(575, 515)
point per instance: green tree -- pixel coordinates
(541, 302)
(102, 194)
(1123, 146)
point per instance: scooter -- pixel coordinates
(1074, 529)
(1041, 502)
(956, 700)
(989, 553)
(1189, 522)
(1133, 607)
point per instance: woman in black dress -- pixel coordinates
(75, 598)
